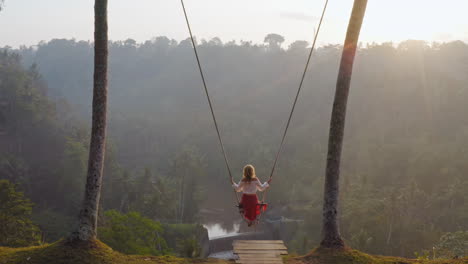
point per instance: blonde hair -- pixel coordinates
(249, 173)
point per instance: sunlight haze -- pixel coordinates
(26, 22)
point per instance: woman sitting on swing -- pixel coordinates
(249, 205)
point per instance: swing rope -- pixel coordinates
(292, 109)
(297, 96)
(209, 99)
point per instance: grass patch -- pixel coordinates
(94, 252)
(351, 256)
(97, 252)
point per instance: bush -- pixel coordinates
(452, 245)
(188, 240)
(16, 227)
(132, 233)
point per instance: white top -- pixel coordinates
(250, 187)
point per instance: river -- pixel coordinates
(216, 230)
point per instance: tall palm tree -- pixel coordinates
(89, 210)
(330, 229)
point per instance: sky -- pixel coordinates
(27, 22)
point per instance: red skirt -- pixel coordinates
(252, 207)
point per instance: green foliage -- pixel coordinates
(390, 221)
(362, 240)
(53, 224)
(188, 247)
(186, 239)
(33, 138)
(301, 244)
(452, 244)
(350, 256)
(188, 171)
(44, 146)
(16, 227)
(132, 233)
(404, 180)
(13, 168)
(94, 252)
(73, 167)
(422, 256)
(161, 201)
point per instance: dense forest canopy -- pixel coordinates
(404, 164)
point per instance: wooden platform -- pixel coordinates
(259, 251)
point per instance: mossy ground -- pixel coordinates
(95, 252)
(350, 256)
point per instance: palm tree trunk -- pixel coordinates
(89, 210)
(330, 229)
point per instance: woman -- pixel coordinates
(249, 186)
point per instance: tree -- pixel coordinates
(74, 166)
(16, 227)
(299, 45)
(274, 40)
(144, 190)
(2, 2)
(87, 229)
(330, 229)
(189, 168)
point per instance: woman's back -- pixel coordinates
(250, 187)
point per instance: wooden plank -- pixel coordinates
(259, 256)
(256, 250)
(279, 261)
(269, 261)
(246, 250)
(241, 251)
(263, 253)
(259, 251)
(261, 246)
(262, 259)
(258, 241)
(248, 259)
(259, 262)
(257, 244)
